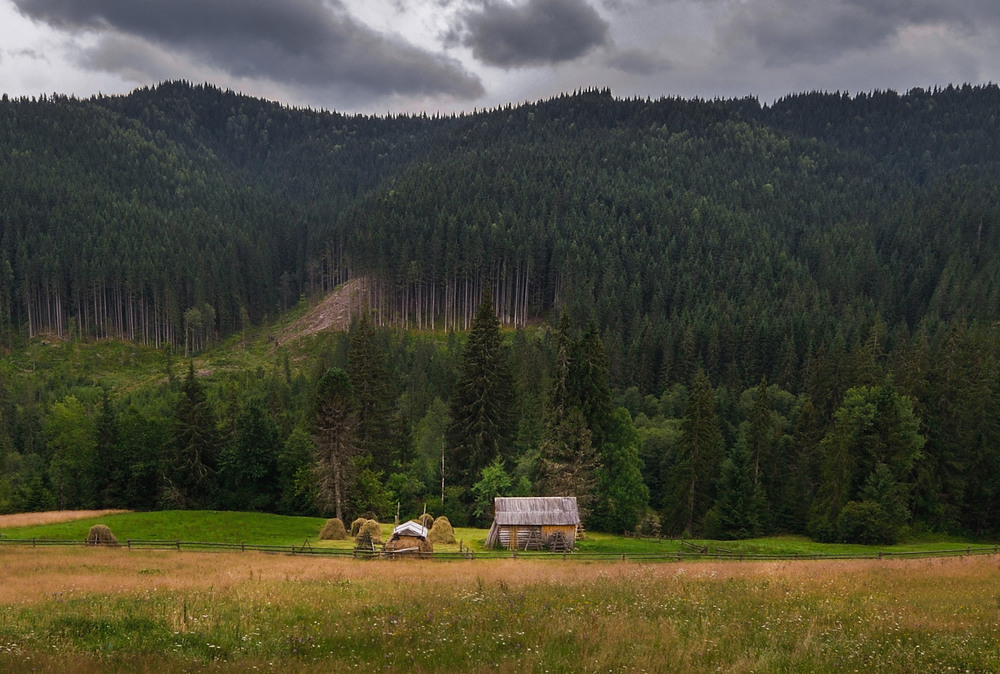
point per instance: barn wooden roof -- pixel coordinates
(539, 510)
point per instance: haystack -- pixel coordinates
(333, 531)
(372, 530)
(100, 534)
(356, 526)
(442, 532)
(410, 539)
(426, 520)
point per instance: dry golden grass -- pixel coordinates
(52, 517)
(120, 610)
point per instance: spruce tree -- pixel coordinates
(335, 424)
(699, 452)
(193, 448)
(377, 434)
(481, 420)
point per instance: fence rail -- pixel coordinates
(688, 552)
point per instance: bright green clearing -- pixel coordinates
(266, 529)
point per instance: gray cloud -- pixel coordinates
(304, 43)
(638, 62)
(789, 32)
(538, 32)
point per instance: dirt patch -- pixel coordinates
(333, 313)
(51, 517)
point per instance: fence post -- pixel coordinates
(128, 543)
(880, 554)
(178, 545)
(623, 556)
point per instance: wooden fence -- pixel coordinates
(688, 552)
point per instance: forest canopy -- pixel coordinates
(768, 290)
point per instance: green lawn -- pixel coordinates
(186, 525)
(265, 529)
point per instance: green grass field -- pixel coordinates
(278, 530)
(116, 610)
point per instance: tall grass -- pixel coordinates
(115, 610)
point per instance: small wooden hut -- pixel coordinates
(409, 539)
(534, 523)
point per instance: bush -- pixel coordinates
(100, 534)
(441, 532)
(866, 522)
(371, 529)
(649, 526)
(333, 531)
(356, 526)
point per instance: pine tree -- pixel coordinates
(335, 424)
(377, 434)
(699, 454)
(588, 383)
(481, 421)
(567, 461)
(739, 502)
(193, 448)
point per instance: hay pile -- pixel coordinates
(442, 532)
(426, 521)
(333, 531)
(100, 534)
(413, 545)
(356, 526)
(370, 529)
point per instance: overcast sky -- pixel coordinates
(379, 56)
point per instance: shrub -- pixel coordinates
(333, 531)
(373, 530)
(100, 534)
(441, 532)
(866, 522)
(356, 526)
(649, 525)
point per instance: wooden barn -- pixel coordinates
(534, 523)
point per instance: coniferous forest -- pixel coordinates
(719, 317)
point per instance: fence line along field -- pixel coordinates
(99, 610)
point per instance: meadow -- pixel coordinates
(99, 610)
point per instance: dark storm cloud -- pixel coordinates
(816, 31)
(307, 43)
(638, 62)
(537, 32)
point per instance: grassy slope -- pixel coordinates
(266, 529)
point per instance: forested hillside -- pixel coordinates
(805, 293)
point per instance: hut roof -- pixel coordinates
(410, 528)
(538, 510)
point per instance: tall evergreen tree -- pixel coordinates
(588, 383)
(481, 424)
(567, 460)
(335, 424)
(699, 455)
(739, 504)
(248, 464)
(377, 434)
(193, 449)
